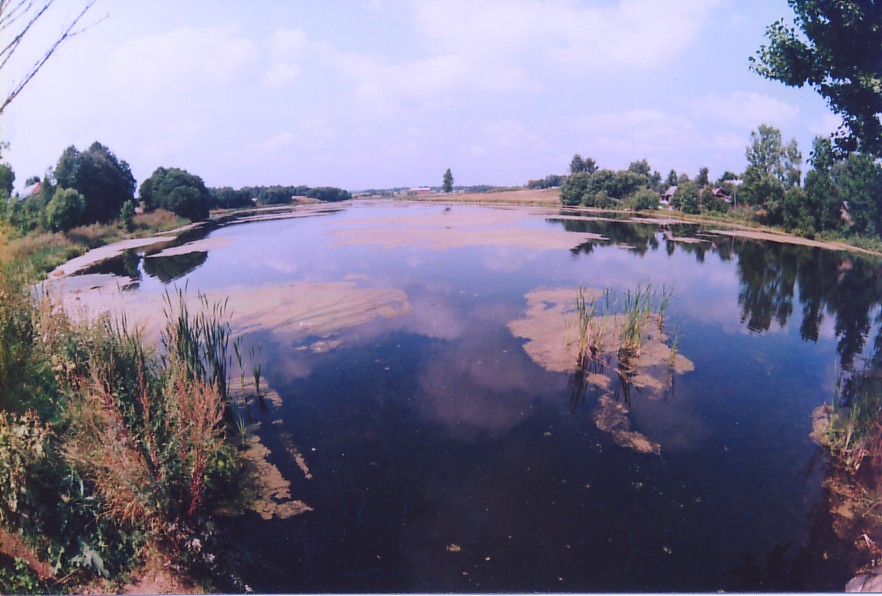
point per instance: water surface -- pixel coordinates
(444, 459)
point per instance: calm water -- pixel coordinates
(445, 459)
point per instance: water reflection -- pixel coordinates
(774, 278)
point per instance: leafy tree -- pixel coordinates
(823, 194)
(640, 167)
(227, 198)
(127, 215)
(686, 197)
(701, 180)
(768, 154)
(711, 202)
(574, 188)
(860, 180)
(178, 191)
(447, 184)
(32, 180)
(671, 180)
(104, 181)
(579, 165)
(65, 210)
(7, 179)
(549, 181)
(839, 55)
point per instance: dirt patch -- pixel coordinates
(456, 228)
(788, 239)
(545, 196)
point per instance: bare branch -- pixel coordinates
(10, 13)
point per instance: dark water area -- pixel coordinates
(444, 459)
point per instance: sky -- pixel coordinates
(386, 93)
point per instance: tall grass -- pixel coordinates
(854, 430)
(107, 444)
(621, 316)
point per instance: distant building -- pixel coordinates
(665, 197)
(30, 191)
(419, 190)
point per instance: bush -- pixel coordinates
(645, 199)
(127, 215)
(65, 210)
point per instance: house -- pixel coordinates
(419, 190)
(32, 190)
(665, 197)
(720, 194)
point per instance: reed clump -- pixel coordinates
(851, 426)
(622, 317)
(109, 445)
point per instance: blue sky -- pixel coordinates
(388, 93)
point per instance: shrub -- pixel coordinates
(65, 210)
(645, 199)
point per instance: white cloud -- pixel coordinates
(745, 109)
(183, 59)
(281, 73)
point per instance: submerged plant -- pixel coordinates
(255, 371)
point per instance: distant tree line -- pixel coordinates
(95, 186)
(226, 197)
(840, 194)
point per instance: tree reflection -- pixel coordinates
(845, 286)
(168, 269)
(775, 278)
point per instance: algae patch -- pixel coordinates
(551, 330)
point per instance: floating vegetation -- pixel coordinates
(619, 345)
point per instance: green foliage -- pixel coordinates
(21, 579)
(447, 183)
(686, 198)
(24, 444)
(603, 188)
(645, 199)
(228, 198)
(7, 179)
(702, 180)
(767, 155)
(836, 52)
(550, 181)
(66, 210)
(127, 215)
(104, 181)
(176, 190)
(579, 165)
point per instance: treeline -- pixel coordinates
(226, 197)
(95, 186)
(839, 195)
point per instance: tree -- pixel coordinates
(671, 180)
(178, 191)
(579, 165)
(839, 55)
(104, 181)
(701, 180)
(686, 198)
(767, 155)
(447, 184)
(640, 167)
(65, 210)
(127, 215)
(17, 17)
(645, 199)
(7, 179)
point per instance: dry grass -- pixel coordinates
(546, 197)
